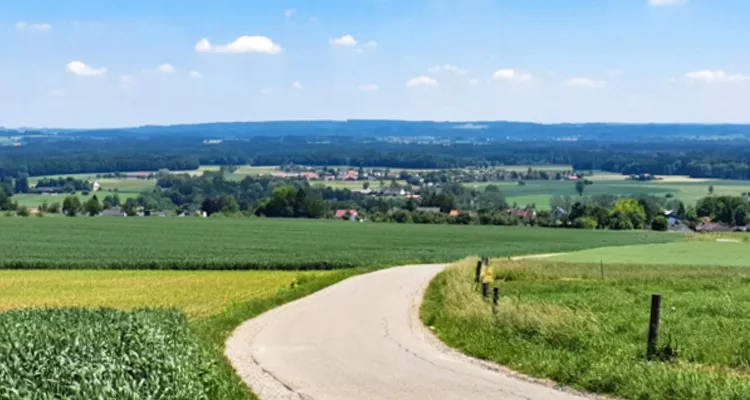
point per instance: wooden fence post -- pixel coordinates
(495, 296)
(653, 328)
(478, 273)
(485, 289)
(601, 267)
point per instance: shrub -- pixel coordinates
(585, 223)
(22, 211)
(660, 223)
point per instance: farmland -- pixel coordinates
(244, 244)
(686, 189)
(560, 320)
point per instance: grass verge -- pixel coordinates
(563, 322)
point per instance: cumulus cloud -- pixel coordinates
(660, 3)
(195, 75)
(32, 27)
(368, 87)
(345, 41)
(164, 69)
(511, 75)
(243, 44)
(425, 81)
(371, 43)
(448, 68)
(82, 69)
(717, 76)
(584, 83)
(289, 12)
(297, 86)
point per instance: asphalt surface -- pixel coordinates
(362, 339)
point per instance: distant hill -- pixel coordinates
(490, 130)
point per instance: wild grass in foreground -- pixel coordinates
(246, 244)
(563, 322)
(103, 354)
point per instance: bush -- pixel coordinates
(660, 223)
(22, 211)
(585, 223)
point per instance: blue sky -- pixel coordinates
(93, 63)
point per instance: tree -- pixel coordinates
(228, 204)
(22, 185)
(366, 185)
(627, 214)
(92, 206)
(580, 187)
(130, 207)
(71, 206)
(660, 223)
(585, 223)
(53, 208)
(22, 211)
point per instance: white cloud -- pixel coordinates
(371, 43)
(584, 83)
(717, 76)
(659, 3)
(81, 69)
(243, 44)
(473, 82)
(289, 12)
(448, 68)
(195, 75)
(165, 69)
(346, 41)
(368, 87)
(422, 81)
(511, 75)
(33, 27)
(297, 86)
(266, 91)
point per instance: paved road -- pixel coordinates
(362, 340)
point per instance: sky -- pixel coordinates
(115, 63)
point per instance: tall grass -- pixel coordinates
(563, 322)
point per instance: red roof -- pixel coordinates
(342, 213)
(454, 213)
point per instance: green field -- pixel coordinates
(194, 243)
(560, 320)
(679, 253)
(687, 190)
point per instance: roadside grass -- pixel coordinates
(691, 252)
(561, 321)
(247, 244)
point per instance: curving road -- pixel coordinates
(361, 339)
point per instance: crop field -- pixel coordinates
(562, 321)
(199, 294)
(103, 354)
(685, 189)
(245, 244)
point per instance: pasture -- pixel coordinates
(558, 319)
(686, 189)
(257, 243)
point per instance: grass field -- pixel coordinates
(686, 189)
(560, 320)
(679, 253)
(193, 243)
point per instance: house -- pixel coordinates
(113, 212)
(311, 176)
(559, 213)
(96, 186)
(430, 210)
(393, 192)
(343, 213)
(527, 214)
(712, 227)
(454, 213)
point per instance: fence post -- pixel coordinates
(478, 273)
(485, 289)
(601, 268)
(495, 296)
(653, 328)
(487, 261)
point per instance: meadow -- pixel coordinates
(560, 320)
(257, 243)
(686, 189)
